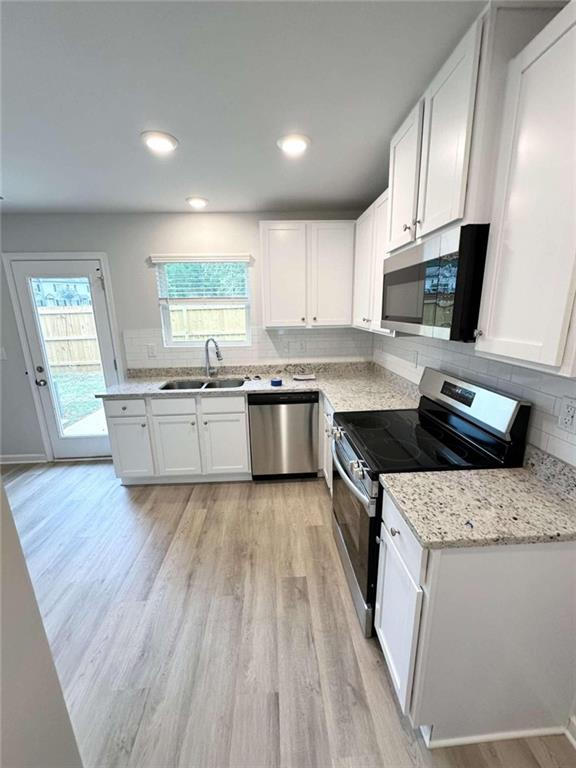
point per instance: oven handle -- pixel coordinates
(366, 500)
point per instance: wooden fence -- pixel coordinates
(197, 323)
(69, 336)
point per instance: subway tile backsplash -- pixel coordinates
(144, 348)
(405, 355)
(408, 355)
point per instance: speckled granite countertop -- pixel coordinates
(359, 387)
(474, 508)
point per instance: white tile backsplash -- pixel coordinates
(408, 355)
(266, 347)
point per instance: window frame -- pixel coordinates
(160, 260)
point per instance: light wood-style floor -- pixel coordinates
(210, 626)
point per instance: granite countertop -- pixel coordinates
(474, 508)
(359, 387)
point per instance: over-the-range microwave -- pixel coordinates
(434, 288)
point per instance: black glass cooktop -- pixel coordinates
(408, 441)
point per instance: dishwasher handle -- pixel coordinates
(282, 398)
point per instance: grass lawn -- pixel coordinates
(75, 394)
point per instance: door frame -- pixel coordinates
(8, 258)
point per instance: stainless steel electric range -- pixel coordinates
(457, 425)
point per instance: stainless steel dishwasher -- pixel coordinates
(283, 434)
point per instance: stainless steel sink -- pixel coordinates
(224, 383)
(183, 384)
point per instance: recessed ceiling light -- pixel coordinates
(198, 203)
(159, 142)
(294, 144)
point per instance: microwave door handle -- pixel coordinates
(366, 500)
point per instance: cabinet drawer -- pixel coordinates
(173, 406)
(125, 407)
(409, 548)
(223, 404)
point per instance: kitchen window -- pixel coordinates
(203, 296)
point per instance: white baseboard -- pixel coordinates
(23, 458)
(241, 477)
(501, 736)
(571, 731)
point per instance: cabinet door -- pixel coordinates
(403, 179)
(177, 445)
(378, 257)
(330, 270)
(131, 448)
(225, 443)
(397, 618)
(448, 117)
(530, 283)
(364, 245)
(327, 470)
(283, 248)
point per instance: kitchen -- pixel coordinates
(278, 566)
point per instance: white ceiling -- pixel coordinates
(80, 81)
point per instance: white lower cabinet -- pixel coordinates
(326, 442)
(397, 617)
(225, 443)
(131, 446)
(179, 439)
(476, 648)
(177, 445)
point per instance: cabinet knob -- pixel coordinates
(143, 426)
(124, 407)
(478, 333)
(405, 227)
(417, 221)
(378, 540)
(394, 532)
(192, 423)
(303, 319)
(314, 318)
(205, 423)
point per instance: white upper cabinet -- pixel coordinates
(330, 272)
(530, 284)
(446, 136)
(284, 272)
(378, 257)
(363, 253)
(307, 270)
(403, 179)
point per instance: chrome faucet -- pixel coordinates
(210, 370)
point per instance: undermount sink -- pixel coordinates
(224, 383)
(183, 384)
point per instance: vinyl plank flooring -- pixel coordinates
(210, 626)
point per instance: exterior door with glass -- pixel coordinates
(65, 316)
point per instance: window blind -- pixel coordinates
(202, 280)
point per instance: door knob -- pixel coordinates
(41, 382)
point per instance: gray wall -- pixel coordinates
(36, 729)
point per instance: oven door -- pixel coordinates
(355, 525)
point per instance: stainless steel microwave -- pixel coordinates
(434, 288)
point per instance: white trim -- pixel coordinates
(171, 258)
(481, 738)
(23, 458)
(571, 731)
(7, 259)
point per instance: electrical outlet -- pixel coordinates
(567, 417)
(151, 350)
